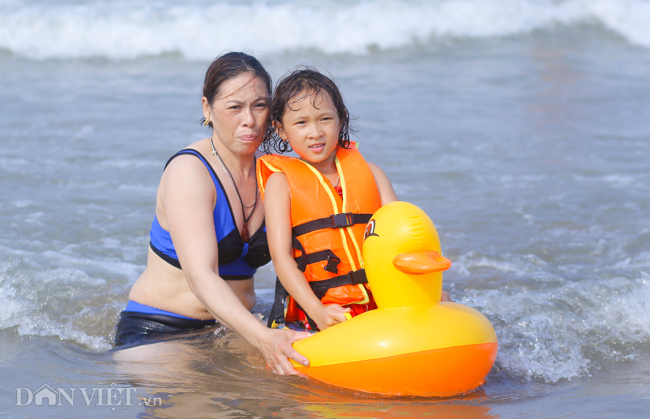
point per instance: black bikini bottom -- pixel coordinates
(135, 328)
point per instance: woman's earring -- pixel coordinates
(206, 122)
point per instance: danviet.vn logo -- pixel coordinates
(111, 396)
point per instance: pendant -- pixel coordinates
(244, 234)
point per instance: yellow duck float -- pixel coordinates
(412, 344)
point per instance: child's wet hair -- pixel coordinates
(301, 83)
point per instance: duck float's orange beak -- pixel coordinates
(422, 262)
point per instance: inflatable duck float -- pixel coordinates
(412, 344)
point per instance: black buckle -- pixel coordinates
(358, 277)
(341, 220)
(332, 264)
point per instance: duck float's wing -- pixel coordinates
(422, 262)
(433, 350)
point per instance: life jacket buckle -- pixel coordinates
(332, 264)
(341, 220)
(358, 277)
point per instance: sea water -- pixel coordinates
(520, 126)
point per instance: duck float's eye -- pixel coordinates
(370, 230)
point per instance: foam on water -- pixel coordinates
(37, 298)
(553, 324)
(199, 30)
(34, 307)
(553, 328)
(45, 291)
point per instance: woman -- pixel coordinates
(208, 237)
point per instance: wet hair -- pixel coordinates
(227, 66)
(299, 84)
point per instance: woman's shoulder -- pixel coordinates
(187, 169)
(201, 145)
(194, 155)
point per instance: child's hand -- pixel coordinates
(331, 314)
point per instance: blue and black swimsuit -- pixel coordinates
(237, 261)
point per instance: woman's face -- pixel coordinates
(239, 113)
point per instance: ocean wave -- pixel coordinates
(39, 299)
(551, 329)
(199, 30)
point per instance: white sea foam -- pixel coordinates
(118, 267)
(130, 163)
(52, 302)
(199, 30)
(569, 329)
(13, 165)
(470, 260)
(619, 181)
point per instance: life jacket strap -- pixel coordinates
(320, 289)
(345, 219)
(277, 310)
(309, 258)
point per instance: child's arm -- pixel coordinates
(277, 208)
(386, 191)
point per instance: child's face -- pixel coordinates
(311, 125)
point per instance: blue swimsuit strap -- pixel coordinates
(142, 308)
(222, 197)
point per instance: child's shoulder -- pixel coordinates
(269, 164)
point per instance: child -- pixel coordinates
(317, 206)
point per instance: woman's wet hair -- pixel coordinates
(227, 66)
(295, 86)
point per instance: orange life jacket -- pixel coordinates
(327, 229)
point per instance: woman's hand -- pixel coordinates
(330, 314)
(276, 347)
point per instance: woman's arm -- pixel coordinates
(277, 207)
(386, 191)
(188, 199)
